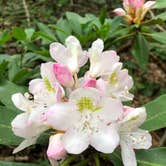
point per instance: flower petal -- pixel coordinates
(48, 76)
(62, 115)
(55, 149)
(112, 110)
(119, 12)
(25, 144)
(105, 140)
(133, 119)
(63, 75)
(58, 52)
(75, 142)
(91, 93)
(20, 101)
(128, 154)
(140, 139)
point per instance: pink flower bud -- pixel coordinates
(89, 82)
(63, 75)
(119, 12)
(55, 149)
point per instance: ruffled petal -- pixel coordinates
(140, 139)
(133, 119)
(75, 142)
(58, 52)
(105, 140)
(92, 93)
(20, 101)
(112, 110)
(128, 154)
(62, 115)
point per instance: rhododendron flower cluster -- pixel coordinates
(81, 111)
(134, 10)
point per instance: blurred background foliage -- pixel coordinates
(27, 27)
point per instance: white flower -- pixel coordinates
(116, 83)
(131, 137)
(72, 55)
(30, 124)
(88, 119)
(100, 62)
(46, 90)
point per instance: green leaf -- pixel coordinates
(46, 32)
(19, 33)
(7, 137)
(29, 33)
(8, 88)
(115, 23)
(74, 22)
(160, 4)
(162, 16)
(63, 29)
(159, 36)
(140, 51)
(152, 157)
(4, 37)
(156, 111)
(6, 163)
(103, 15)
(114, 157)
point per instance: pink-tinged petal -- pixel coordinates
(128, 154)
(119, 12)
(25, 144)
(111, 111)
(126, 79)
(62, 115)
(89, 82)
(75, 142)
(22, 127)
(133, 119)
(63, 75)
(105, 140)
(20, 101)
(101, 85)
(58, 52)
(149, 5)
(55, 149)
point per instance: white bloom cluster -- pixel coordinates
(83, 112)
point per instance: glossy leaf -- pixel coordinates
(8, 88)
(152, 157)
(160, 4)
(140, 51)
(156, 111)
(159, 36)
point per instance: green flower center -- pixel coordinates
(48, 85)
(85, 103)
(113, 79)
